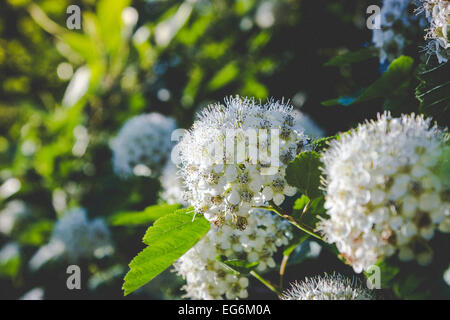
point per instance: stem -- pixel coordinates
(304, 228)
(305, 209)
(41, 18)
(265, 282)
(283, 269)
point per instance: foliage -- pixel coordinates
(150, 214)
(304, 173)
(390, 85)
(64, 94)
(168, 239)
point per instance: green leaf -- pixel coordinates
(10, 260)
(301, 202)
(388, 85)
(254, 88)
(37, 233)
(110, 20)
(352, 57)
(304, 173)
(411, 287)
(185, 217)
(11, 267)
(238, 266)
(399, 71)
(168, 239)
(314, 210)
(82, 45)
(320, 144)
(136, 218)
(224, 76)
(444, 166)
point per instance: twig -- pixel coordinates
(265, 282)
(283, 269)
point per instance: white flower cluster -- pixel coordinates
(438, 15)
(143, 145)
(383, 193)
(399, 26)
(174, 190)
(207, 278)
(75, 237)
(334, 287)
(223, 184)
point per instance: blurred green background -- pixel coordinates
(65, 93)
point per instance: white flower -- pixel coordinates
(334, 287)
(438, 15)
(447, 276)
(399, 27)
(75, 237)
(207, 278)
(382, 193)
(11, 215)
(9, 187)
(173, 188)
(9, 252)
(434, 48)
(33, 294)
(224, 184)
(265, 16)
(78, 86)
(143, 145)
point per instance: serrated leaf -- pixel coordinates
(169, 227)
(150, 214)
(168, 239)
(352, 57)
(304, 173)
